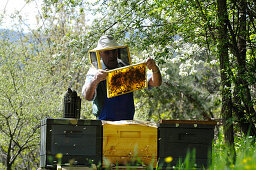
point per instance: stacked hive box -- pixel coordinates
(177, 137)
(129, 142)
(70, 141)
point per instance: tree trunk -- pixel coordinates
(8, 161)
(246, 125)
(246, 118)
(226, 110)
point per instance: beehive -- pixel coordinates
(178, 137)
(126, 79)
(127, 142)
(76, 141)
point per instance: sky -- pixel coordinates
(28, 11)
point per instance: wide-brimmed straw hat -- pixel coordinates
(106, 41)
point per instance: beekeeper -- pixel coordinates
(94, 89)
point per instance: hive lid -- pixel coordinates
(70, 121)
(130, 122)
(188, 123)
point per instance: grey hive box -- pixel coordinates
(177, 137)
(78, 141)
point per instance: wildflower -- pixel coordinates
(248, 167)
(245, 160)
(168, 159)
(232, 166)
(59, 155)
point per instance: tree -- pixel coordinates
(225, 77)
(37, 70)
(154, 24)
(25, 100)
(243, 104)
(180, 35)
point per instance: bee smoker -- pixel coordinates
(72, 104)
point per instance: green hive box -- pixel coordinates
(178, 137)
(66, 141)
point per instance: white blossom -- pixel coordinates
(193, 71)
(213, 62)
(183, 73)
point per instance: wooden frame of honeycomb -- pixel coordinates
(126, 79)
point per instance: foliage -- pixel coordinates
(153, 29)
(26, 89)
(65, 28)
(147, 34)
(245, 153)
(37, 68)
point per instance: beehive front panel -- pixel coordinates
(186, 135)
(178, 150)
(77, 142)
(177, 138)
(125, 143)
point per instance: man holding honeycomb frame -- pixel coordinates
(108, 56)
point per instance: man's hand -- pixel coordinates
(100, 76)
(152, 65)
(90, 88)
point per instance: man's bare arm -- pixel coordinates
(156, 79)
(90, 88)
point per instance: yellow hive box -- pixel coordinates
(125, 142)
(126, 79)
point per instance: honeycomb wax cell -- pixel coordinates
(126, 79)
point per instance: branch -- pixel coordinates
(251, 16)
(23, 147)
(193, 100)
(16, 126)
(10, 102)
(206, 21)
(233, 39)
(115, 22)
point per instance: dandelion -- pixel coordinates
(59, 155)
(245, 160)
(248, 167)
(168, 159)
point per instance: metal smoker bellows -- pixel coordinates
(72, 104)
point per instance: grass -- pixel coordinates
(245, 156)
